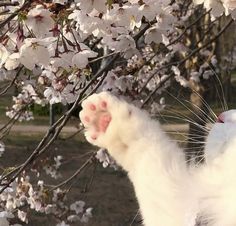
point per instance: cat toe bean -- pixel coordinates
(95, 115)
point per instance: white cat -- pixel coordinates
(216, 180)
(169, 194)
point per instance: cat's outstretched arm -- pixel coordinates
(155, 165)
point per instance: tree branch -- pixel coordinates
(4, 4)
(13, 15)
(182, 62)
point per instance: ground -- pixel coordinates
(111, 193)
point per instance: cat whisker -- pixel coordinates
(177, 116)
(204, 113)
(206, 105)
(187, 138)
(135, 217)
(223, 101)
(184, 134)
(187, 141)
(201, 119)
(184, 117)
(190, 121)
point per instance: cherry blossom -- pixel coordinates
(62, 224)
(2, 149)
(12, 61)
(80, 59)
(87, 215)
(3, 55)
(123, 43)
(33, 52)
(153, 34)
(22, 216)
(78, 206)
(39, 21)
(88, 5)
(229, 4)
(105, 159)
(216, 6)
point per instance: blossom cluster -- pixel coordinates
(21, 195)
(51, 51)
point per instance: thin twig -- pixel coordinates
(72, 135)
(90, 182)
(170, 44)
(184, 60)
(4, 4)
(86, 164)
(12, 82)
(57, 126)
(13, 15)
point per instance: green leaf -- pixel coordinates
(109, 4)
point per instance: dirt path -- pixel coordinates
(73, 129)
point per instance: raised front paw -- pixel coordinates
(112, 123)
(95, 116)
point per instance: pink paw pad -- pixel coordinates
(95, 116)
(86, 119)
(104, 104)
(92, 107)
(104, 122)
(94, 137)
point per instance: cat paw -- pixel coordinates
(95, 116)
(112, 123)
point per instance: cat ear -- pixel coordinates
(227, 116)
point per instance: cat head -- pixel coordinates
(227, 117)
(222, 137)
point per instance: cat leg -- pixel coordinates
(154, 163)
(113, 124)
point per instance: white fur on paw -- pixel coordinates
(95, 116)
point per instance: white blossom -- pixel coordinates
(80, 59)
(182, 81)
(88, 5)
(87, 215)
(73, 218)
(123, 43)
(12, 61)
(62, 224)
(216, 7)
(39, 20)
(165, 20)
(149, 11)
(33, 52)
(78, 206)
(175, 70)
(105, 159)
(195, 76)
(153, 34)
(2, 149)
(3, 55)
(22, 216)
(207, 74)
